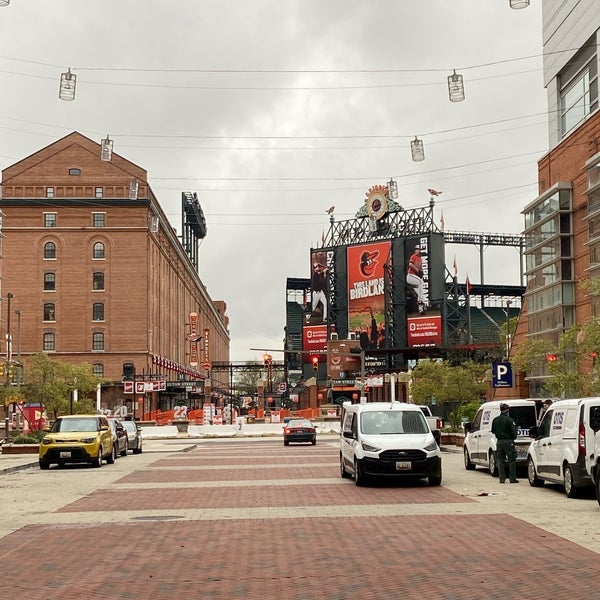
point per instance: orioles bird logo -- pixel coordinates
(368, 262)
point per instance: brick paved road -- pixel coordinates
(252, 519)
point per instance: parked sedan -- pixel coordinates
(299, 430)
(134, 436)
(119, 435)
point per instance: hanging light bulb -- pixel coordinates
(68, 81)
(416, 150)
(133, 189)
(456, 89)
(516, 4)
(392, 189)
(106, 149)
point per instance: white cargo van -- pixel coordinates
(479, 446)
(387, 439)
(563, 447)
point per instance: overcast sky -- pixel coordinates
(274, 110)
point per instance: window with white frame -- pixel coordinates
(98, 341)
(49, 342)
(98, 251)
(49, 250)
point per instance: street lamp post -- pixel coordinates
(20, 366)
(9, 297)
(508, 303)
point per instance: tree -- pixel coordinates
(51, 383)
(456, 386)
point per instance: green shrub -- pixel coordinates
(34, 437)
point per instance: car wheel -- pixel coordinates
(113, 456)
(359, 475)
(139, 450)
(286, 443)
(534, 480)
(314, 442)
(493, 464)
(44, 465)
(97, 462)
(570, 489)
(597, 488)
(124, 451)
(469, 466)
(344, 474)
(433, 481)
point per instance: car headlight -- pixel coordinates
(368, 448)
(88, 440)
(47, 440)
(431, 447)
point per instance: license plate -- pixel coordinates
(521, 455)
(403, 465)
(65, 455)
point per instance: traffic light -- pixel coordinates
(315, 363)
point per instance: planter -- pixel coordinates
(182, 426)
(20, 448)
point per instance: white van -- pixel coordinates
(563, 447)
(387, 439)
(479, 447)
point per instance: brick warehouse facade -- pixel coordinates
(562, 225)
(98, 273)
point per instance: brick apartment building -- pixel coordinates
(562, 225)
(99, 276)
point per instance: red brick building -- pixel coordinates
(98, 274)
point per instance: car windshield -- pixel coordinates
(393, 422)
(66, 425)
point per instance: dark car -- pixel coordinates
(119, 435)
(134, 436)
(299, 430)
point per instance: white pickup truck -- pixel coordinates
(435, 423)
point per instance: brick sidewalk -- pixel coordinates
(161, 550)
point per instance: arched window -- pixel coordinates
(98, 311)
(49, 314)
(49, 250)
(49, 342)
(98, 341)
(98, 250)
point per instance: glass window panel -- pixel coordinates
(98, 250)
(50, 250)
(98, 281)
(49, 282)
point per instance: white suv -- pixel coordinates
(387, 439)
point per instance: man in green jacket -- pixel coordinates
(505, 430)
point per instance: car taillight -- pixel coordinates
(438, 423)
(581, 439)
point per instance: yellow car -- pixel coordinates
(78, 439)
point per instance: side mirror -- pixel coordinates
(534, 432)
(437, 436)
(468, 427)
(348, 434)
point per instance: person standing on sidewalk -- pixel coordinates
(505, 430)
